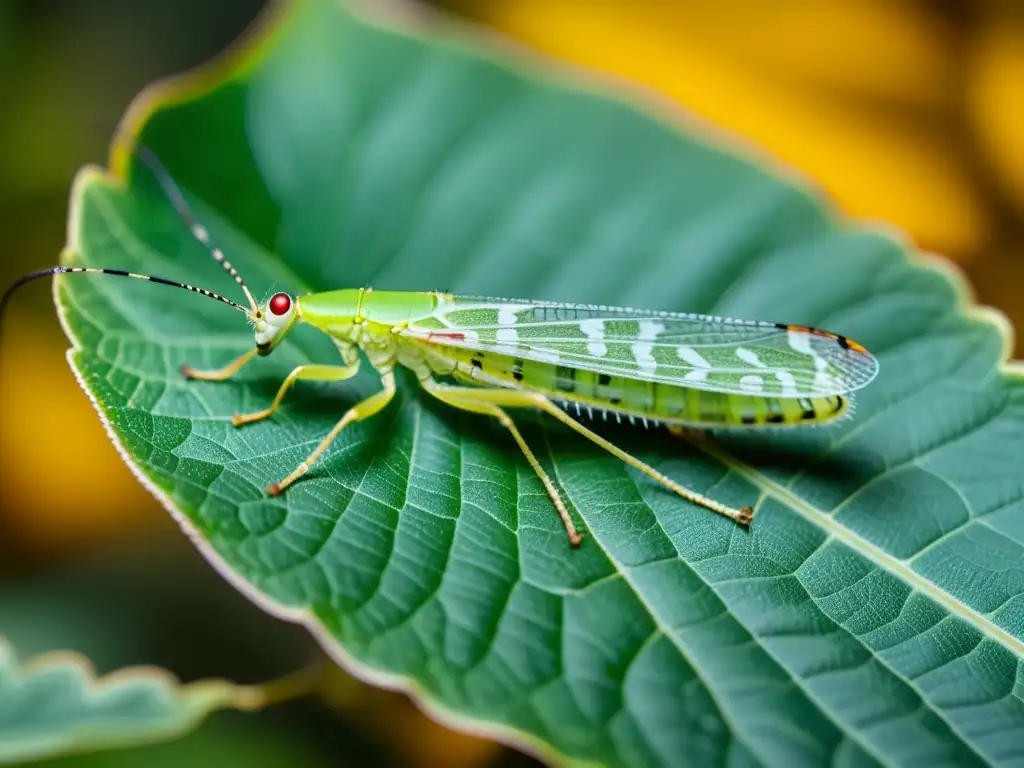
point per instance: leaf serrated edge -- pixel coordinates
(212, 695)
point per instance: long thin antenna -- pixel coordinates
(199, 232)
(117, 273)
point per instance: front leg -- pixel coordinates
(362, 410)
(302, 373)
(221, 374)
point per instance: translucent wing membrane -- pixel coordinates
(687, 350)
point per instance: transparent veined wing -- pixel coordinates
(688, 350)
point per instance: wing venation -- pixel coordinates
(686, 350)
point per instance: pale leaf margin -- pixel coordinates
(398, 16)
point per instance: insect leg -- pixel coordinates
(363, 410)
(517, 398)
(302, 373)
(222, 374)
(461, 398)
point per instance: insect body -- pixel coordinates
(489, 355)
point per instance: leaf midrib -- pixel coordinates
(887, 562)
(769, 488)
(848, 537)
(878, 556)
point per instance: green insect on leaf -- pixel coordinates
(869, 616)
(683, 370)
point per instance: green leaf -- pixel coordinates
(55, 704)
(872, 615)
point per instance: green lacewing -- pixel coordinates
(488, 355)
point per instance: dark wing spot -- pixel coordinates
(565, 378)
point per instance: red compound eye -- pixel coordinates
(280, 303)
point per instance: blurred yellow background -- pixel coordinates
(903, 111)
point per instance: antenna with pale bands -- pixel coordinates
(117, 273)
(199, 232)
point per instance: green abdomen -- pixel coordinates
(601, 394)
